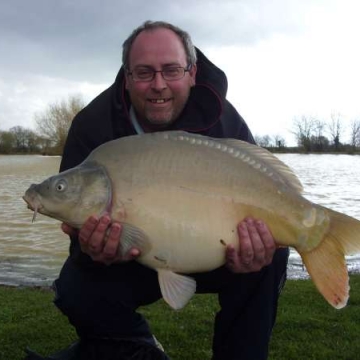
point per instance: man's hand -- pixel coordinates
(100, 239)
(256, 247)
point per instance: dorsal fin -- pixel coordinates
(265, 158)
(256, 156)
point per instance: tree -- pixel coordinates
(303, 129)
(20, 139)
(335, 130)
(53, 124)
(355, 133)
(7, 142)
(33, 141)
(318, 140)
(319, 143)
(279, 141)
(268, 142)
(263, 141)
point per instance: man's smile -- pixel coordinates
(159, 101)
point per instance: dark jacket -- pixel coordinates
(107, 117)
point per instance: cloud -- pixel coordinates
(74, 37)
(283, 58)
(21, 99)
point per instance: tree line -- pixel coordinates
(315, 135)
(52, 125)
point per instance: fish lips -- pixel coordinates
(32, 202)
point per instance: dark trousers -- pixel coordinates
(102, 302)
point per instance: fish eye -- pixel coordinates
(60, 186)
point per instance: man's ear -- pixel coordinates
(192, 73)
(126, 83)
(126, 80)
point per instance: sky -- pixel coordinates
(284, 59)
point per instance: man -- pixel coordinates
(164, 84)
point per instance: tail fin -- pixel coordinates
(326, 264)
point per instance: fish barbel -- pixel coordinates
(180, 196)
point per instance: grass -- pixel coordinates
(307, 327)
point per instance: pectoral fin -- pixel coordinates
(133, 237)
(176, 289)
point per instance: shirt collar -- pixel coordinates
(135, 122)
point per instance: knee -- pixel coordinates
(69, 303)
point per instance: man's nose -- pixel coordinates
(158, 82)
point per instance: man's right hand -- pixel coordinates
(100, 239)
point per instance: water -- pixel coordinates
(32, 254)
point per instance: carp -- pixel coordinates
(180, 196)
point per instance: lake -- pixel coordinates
(32, 253)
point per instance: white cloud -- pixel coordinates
(313, 73)
(24, 98)
(283, 58)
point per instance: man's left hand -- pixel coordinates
(256, 247)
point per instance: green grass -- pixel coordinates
(307, 327)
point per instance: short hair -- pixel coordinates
(151, 25)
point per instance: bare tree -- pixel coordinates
(33, 141)
(279, 141)
(53, 124)
(319, 141)
(303, 130)
(263, 141)
(335, 129)
(20, 139)
(355, 133)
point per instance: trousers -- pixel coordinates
(102, 302)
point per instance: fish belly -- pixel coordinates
(189, 230)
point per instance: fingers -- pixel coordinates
(111, 251)
(111, 247)
(268, 243)
(69, 230)
(93, 233)
(100, 239)
(256, 247)
(246, 250)
(232, 259)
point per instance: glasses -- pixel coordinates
(169, 73)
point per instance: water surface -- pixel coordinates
(30, 254)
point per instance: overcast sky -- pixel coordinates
(283, 58)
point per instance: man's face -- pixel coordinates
(158, 103)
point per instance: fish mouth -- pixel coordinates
(33, 205)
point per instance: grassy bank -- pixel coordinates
(307, 327)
